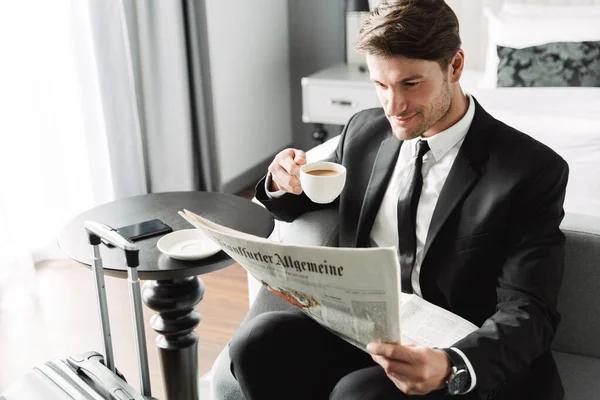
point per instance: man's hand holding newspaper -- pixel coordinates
(355, 293)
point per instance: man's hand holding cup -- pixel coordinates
(285, 171)
(321, 181)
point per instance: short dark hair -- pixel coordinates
(417, 29)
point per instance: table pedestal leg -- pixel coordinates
(175, 321)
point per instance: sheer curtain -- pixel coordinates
(96, 103)
(54, 156)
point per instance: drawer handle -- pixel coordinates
(343, 103)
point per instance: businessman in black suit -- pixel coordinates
(474, 208)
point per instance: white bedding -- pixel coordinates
(565, 119)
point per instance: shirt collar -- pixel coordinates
(442, 142)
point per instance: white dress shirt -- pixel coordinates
(436, 166)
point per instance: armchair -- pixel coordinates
(576, 346)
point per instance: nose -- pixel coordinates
(396, 103)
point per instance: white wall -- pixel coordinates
(249, 67)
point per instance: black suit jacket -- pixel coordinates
(494, 252)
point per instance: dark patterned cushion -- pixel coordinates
(551, 64)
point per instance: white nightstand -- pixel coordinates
(333, 95)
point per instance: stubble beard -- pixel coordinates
(438, 109)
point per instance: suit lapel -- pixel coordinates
(463, 175)
(380, 175)
(461, 178)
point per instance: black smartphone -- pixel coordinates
(144, 230)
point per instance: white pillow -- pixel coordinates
(549, 10)
(520, 31)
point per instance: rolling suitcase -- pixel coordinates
(90, 375)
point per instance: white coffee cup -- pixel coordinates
(322, 181)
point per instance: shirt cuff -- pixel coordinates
(272, 195)
(469, 367)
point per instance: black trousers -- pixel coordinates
(287, 355)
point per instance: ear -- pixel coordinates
(457, 64)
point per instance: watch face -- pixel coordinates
(460, 382)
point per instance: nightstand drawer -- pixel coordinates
(331, 103)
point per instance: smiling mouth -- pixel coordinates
(404, 119)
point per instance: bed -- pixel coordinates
(565, 119)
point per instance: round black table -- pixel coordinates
(172, 288)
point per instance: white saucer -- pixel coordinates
(187, 244)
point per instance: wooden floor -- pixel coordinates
(61, 318)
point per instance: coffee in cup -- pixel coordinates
(322, 181)
(323, 172)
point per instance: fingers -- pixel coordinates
(409, 387)
(398, 360)
(287, 160)
(285, 170)
(395, 368)
(410, 379)
(403, 371)
(414, 369)
(284, 180)
(409, 354)
(300, 157)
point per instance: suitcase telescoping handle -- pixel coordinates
(97, 231)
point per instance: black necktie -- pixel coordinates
(407, 217)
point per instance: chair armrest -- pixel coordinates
(581, 223)
(315, 228)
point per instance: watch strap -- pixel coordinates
(459, 380)
(455, 359)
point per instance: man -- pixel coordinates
(473, 206)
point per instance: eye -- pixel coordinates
(381, 85)
(411, 84)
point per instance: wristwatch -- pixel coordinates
(459, 380)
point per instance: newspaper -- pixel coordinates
(355, 293)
